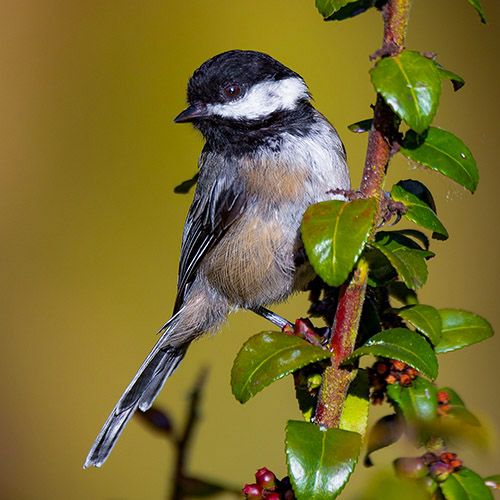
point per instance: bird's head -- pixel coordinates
(242, 90)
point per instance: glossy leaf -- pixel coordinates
(443, 152)
(328, 7)
(418, 211)
(355, 412)
(407, 258)
(352, 9)
(404, 345)
(383, 433)
(334, 234)
(460, 329)
(457, 408)
(320, 460)
(417, 402)
(480, 11)
(361, 126)
(416, 235)
(410, 85)
(457, 81)
(420, 191)
(465, 485)
(269, 356)
(426, 319)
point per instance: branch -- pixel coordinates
(385, 125)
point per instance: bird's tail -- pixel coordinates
(141, 392)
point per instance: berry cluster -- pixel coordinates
(436, 466)
(268, 487)
(441, 466)
(387, 372)
(443, 403)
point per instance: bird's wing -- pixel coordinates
(209, 217)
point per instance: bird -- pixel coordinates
(268, 155)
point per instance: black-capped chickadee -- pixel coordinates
(268, 156)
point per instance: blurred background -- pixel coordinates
(91, 228)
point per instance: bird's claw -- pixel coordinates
(391, 208)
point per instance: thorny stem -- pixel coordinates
(336, 379)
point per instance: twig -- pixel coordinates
(384, 129)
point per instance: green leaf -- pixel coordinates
(401, 292)
(493, 481)
(307, 381)
(461, 329)
(352, 9)
(383, 433)
(457, 81)
(426, 319)
(334, 234)
(417, 402)
(381, 270)
(443, 152)
(320, 460)
(457, 408)
(355, 412)
(361, 126)
(401, 344)
(267, 357)
(418, 211)
(410, 85)
(477, 6)
(465, 485)
(407, 258)
(328, 7)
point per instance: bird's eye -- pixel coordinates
(232, 91)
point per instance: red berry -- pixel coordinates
(265, 478)
(398, 365)
(271, 495)
(252, 491)
(381, 368)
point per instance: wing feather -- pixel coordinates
(208, 220)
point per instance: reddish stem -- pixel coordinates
(336, 379)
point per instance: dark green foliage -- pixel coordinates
(334, 235)
(411, 86)
(267, 357)
(404, 345)
(343, 240)
(465, 485)
(320, 460)
(443, 152)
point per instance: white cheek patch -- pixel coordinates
(263, 99)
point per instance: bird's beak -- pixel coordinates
(190, 114)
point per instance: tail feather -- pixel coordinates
(141, 392)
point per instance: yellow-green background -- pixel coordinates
(90, 227)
